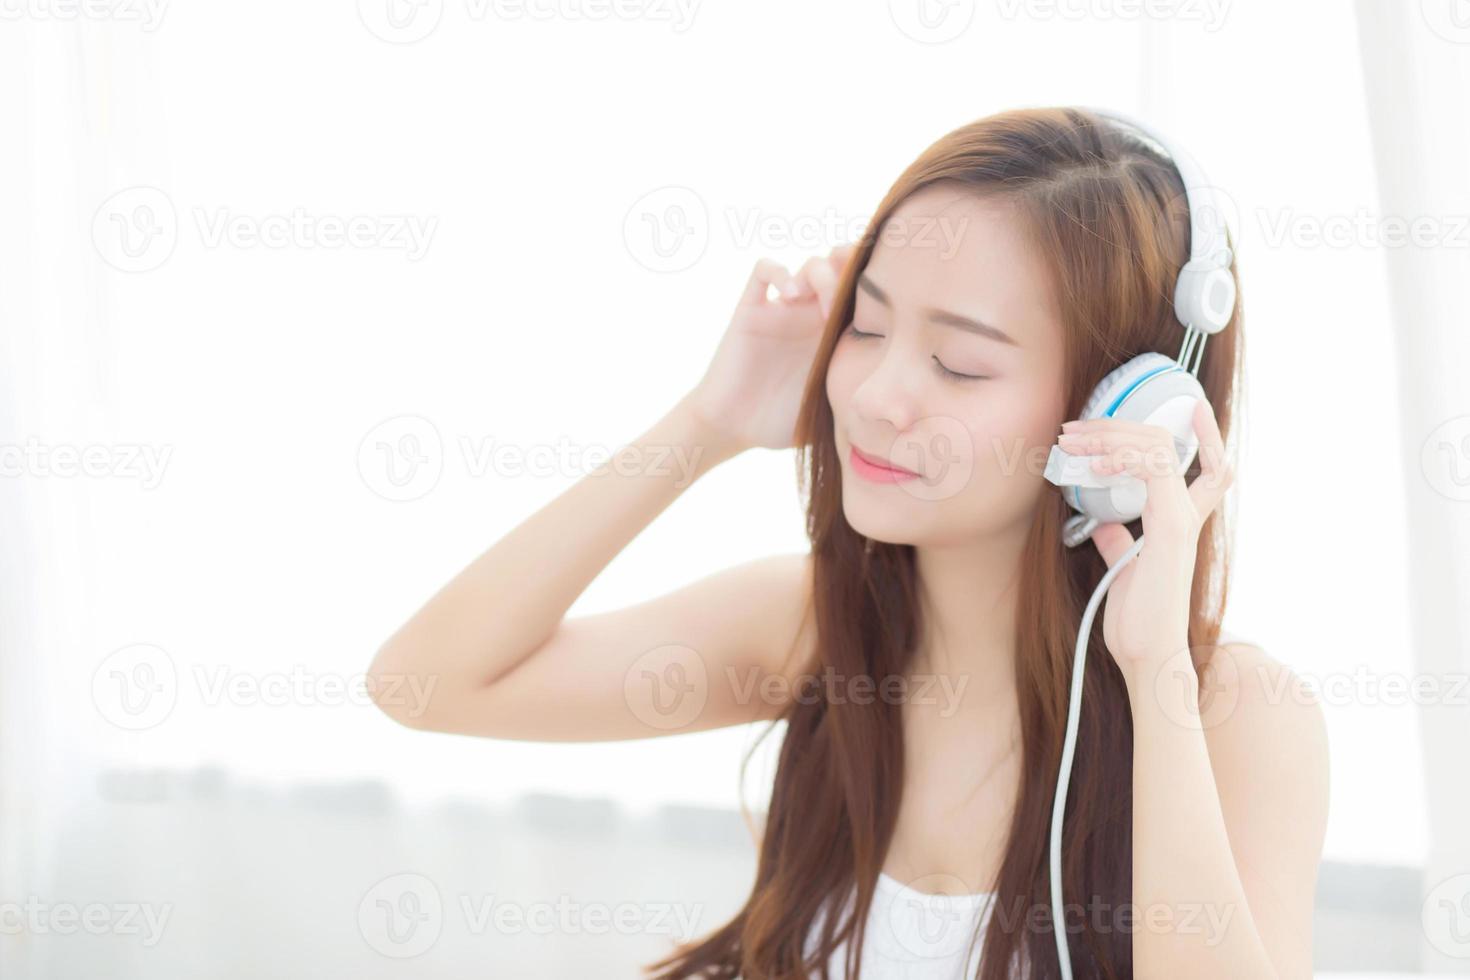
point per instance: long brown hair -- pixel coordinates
(1109, 215)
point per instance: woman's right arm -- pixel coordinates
(492, 652)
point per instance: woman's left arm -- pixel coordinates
(1229, 812)
(1229, 762)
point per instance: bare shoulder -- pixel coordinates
(1266, 733)
(1252, 681)
(1267, 746)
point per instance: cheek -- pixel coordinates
(1014, 427)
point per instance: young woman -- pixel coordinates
(923, 374)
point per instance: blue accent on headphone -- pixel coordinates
(1130, 389)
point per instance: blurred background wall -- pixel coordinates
(304, 306)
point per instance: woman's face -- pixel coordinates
(951, 286)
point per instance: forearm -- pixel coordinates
(510, 599)
(1193, 919)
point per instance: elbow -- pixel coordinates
(406, 696)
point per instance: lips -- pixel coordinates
(872, 460)
(877, 469)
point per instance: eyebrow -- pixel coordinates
(943, 317)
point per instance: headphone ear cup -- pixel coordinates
(1151, 388)
(1106, 395)
(1204, 296)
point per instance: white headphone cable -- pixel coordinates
(1069, 746)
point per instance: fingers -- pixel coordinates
(818, 278)
(1144, 451)
(1216, 472)
(1148, 452)
(767, 273)
(1111, 541)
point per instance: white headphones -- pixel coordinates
(1158, 390)
(1154, 388)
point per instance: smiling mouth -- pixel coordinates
(877, 468)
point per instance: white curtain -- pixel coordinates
(1416, 62)
(56, 453)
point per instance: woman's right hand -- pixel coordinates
(752, 389)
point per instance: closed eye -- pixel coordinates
(946, 372)
(955, 374)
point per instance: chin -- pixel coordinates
(894, 524)
(901, 519)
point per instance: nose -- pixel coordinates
(890, 393)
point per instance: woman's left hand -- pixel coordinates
(1146, 611)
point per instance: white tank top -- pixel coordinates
(914, 935)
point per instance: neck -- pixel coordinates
(968, 593)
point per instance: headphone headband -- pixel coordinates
(1204, 297)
